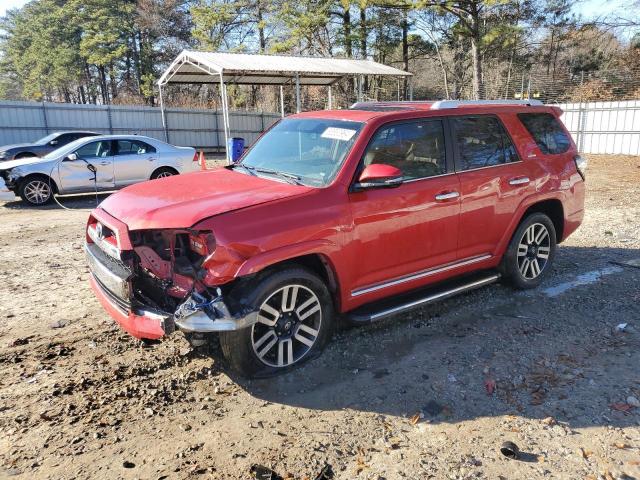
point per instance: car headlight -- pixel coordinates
(15, 173)
(3, 155)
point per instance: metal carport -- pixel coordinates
(192, 67)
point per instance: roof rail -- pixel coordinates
(444, 104)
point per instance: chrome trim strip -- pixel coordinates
(116, 285)
(437, 296)
(101, 243)
(421, 274)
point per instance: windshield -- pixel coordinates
(310, 150)
(47, 139)
(66, 149)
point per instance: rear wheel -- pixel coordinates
(531, 251)
(36, 190)
(295, 321)
(163, 172)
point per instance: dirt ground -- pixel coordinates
(406, 398)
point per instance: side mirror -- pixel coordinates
(53, 142)
(379, 175)
(72, 157)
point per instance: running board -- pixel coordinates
(393, 306)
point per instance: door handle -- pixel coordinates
(151, 159)
(519, 181)
(442, 197)
(105, 163)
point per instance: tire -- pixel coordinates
(36, 190)
(531, 252)
(290, 330)
(164, 172)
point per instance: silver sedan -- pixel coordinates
(102, 163)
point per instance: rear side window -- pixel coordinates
(134, 147)
(481, 141)
(416, 148)
(546, 131)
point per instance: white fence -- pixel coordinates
(28, 121)
(597, 127)
(604, 127)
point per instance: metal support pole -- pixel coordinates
(298, 109)
(44, 117)
(398, 89)
(281, 102)
(360, 88)
(529, 88)
(225, 117)
(330, 98)
(411, 88)
(163, 115)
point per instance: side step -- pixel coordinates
(419, 298)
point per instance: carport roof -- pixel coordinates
(253, 69)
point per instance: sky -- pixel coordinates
(587, 8)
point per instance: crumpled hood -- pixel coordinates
(9, 164)
(182, 201)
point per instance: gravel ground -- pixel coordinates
(412, 397)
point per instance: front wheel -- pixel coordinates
(295, 321)
(36, 191)
(531, 251)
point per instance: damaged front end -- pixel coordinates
(156, 281)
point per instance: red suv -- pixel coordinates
(359, 213)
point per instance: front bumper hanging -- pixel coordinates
(111, 281)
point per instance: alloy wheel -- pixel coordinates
(288, 326)
(533, 251)
(37, 192)
(164, 174)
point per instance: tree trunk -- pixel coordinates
(261, 36)
(363, 40)
(405, 51)
(476, 60)
(346, 26)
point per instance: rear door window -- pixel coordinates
(416, 148)
(481, 142)
(134, 147)
(546, 131)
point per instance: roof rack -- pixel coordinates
(444, 104)
(437, 104)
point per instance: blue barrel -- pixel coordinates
(235, 147)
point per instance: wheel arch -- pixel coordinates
(164, 167)
(44, 176)
(319, 262)
(553, 209)
(24, 155)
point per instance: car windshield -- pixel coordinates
(47, 139)
(68, 148)
(305, 150)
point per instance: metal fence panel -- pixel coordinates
(199, 128)
(604, 127)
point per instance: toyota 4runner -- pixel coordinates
(359, 214)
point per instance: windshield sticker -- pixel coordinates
(335, 133)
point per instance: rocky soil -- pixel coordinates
(432, 394)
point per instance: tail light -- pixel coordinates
(202, 243)
(581, 165)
